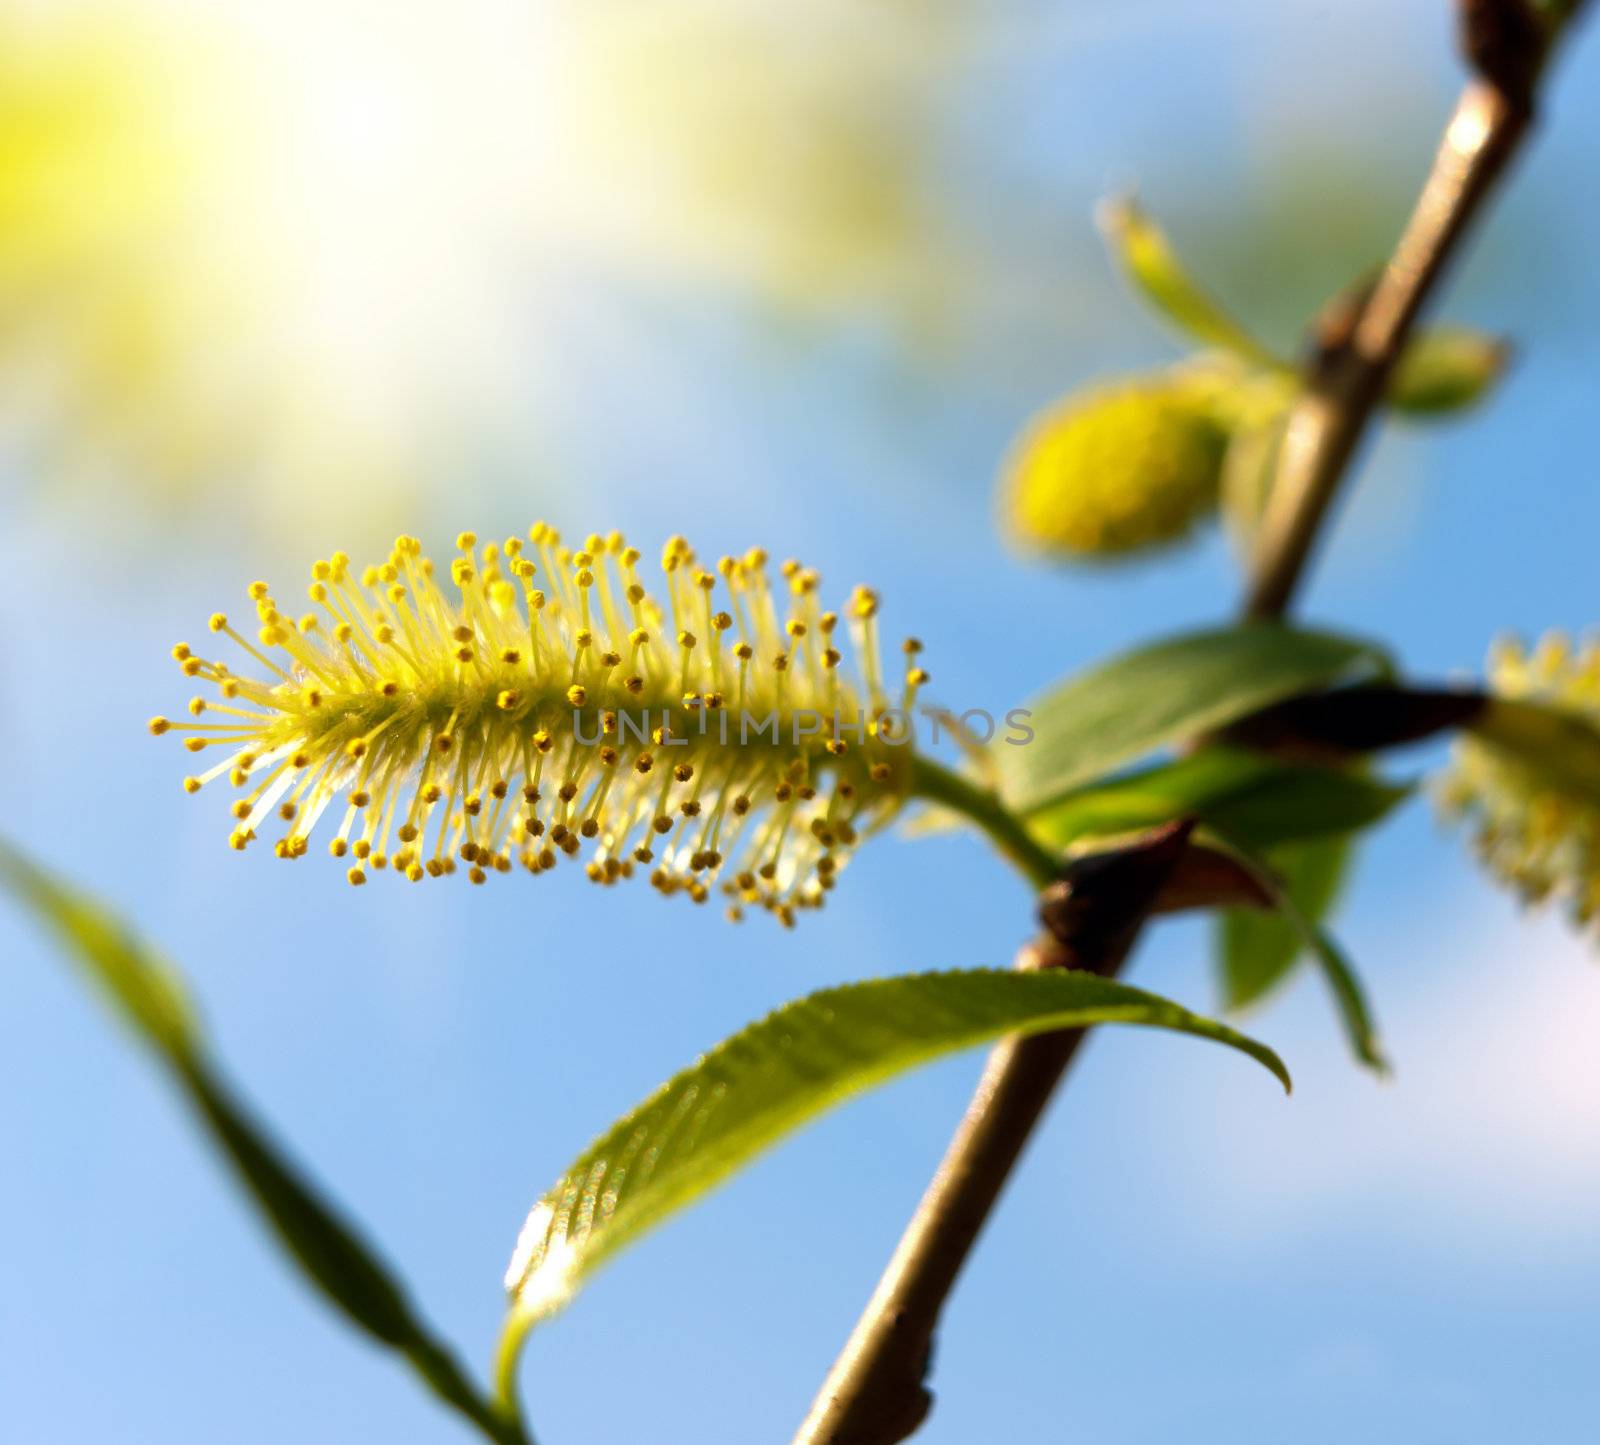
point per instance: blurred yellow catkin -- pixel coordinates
(743, 147)
(1117, 467)
(1529, 785)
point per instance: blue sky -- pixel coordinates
(1185, 1253)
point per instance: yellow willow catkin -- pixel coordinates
(1536, 829)
(549, 704)
(1117, 467)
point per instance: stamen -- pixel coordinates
(443, 718)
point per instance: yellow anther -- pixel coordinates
(400, 698)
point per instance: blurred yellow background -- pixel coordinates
(295, 251)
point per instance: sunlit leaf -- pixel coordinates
(1174, 689)
(1446, 370)
(1152, 265)
(781, 1072)
(147, 996)
(1249, 796)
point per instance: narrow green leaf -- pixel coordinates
(1152, 265)
(1178, 688)
(147, 996)
(1447, 370)
(1349, 997)
(779, 1073)
(1257, 949)
(1246, 795)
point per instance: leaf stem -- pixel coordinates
(507, 1356)
(875, 1394)
(935, 783)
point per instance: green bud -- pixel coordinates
(1448, 369)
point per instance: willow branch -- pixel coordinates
(875, 1393)
(1508, 46)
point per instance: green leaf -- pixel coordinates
(1447, 370)
(1257, 949)
(1301, 802)
(1246, 795)
(779, 1073)
(1174, 689)
(148, 996)
(1349, 997)
(1151, 796)
(1153, 267)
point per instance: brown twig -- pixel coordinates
(1331, 727)
(1507, 45)
(875, 1394)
